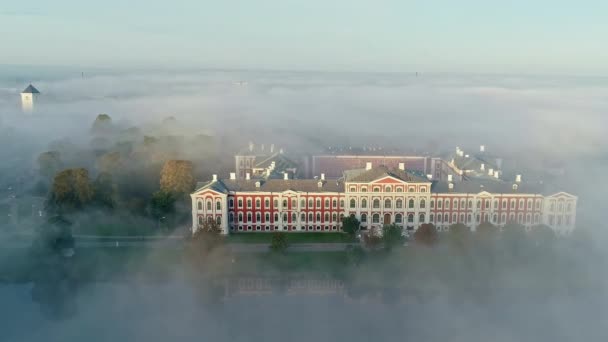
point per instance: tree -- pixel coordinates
(459, 236)
(426, 235)
(177, 177)
(354, 255)
(372, 239)
(109, 162)
(392, 235)
(49, 163)
(102, 124)
(71, 189)
(161, 204)
(350, 225)
(279, 242)
(104, 191)
(207, 237)
(486, 232)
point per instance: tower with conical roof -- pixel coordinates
(28, 96)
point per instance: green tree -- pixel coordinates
(110, 162)
(350, 225)
(102, 124)
(104, 191)
(49, 163)
(71, 190)
(279, 242)
(426, 235)
(177, 177)
(460, 236)
(392, 235)
(162, 204)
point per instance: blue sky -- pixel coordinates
(533, 36)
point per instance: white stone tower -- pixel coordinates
(28, 96)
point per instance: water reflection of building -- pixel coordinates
(258, 286)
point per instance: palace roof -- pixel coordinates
(30, 90)
(378, 172)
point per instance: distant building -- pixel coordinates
(28, 96)
(263, 162)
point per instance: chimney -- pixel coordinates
(450, 178)
(271, 148)
(257, 184)
(247, 176)
(483, 167)
(250, 146)
(368, 165)
(232, 175)
(451, 186)
(429, 176)
(490, 172)
(496, 174)
(402, 166)
(215, 178)
(482, 148)
(322, 176)
(518, 179)
(320, 184)
(285, 175)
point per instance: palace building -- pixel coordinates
(375, 195)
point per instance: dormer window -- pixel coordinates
(514, 186)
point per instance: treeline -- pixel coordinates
(126, 172)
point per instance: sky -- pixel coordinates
(478, 36)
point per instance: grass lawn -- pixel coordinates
(291, 237)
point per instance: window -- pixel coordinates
(231, 217)
(447, 204)
(470, 204)
(285, 217)
(363, 189)
(318, 217)
(423, 189)
(410, 203)
(240, 217)
(512, 205)
(376, 203)
(438, 218)
(446, 218)
(421, 218)
(469, 218)
(387, 203)
(398, 218)
(478, 204)
(376, 189)
(363, 218)
(494, 218)
(294, 204)
(455, 204)
(520, 218)
(398, 189)
(375, 218)
(249, 203)
(309, 217)
(353, 189)
(439, 204)
(410, 218)
(353, 203)
(528, 218)
(529, 204)
(463, 204)
(276, 217)
(422, 204)
(432, 204)
(495, 204)
(303, 217)
(364, 203)
(387, 188)
(231, 203)
(521, 204)
(399, 203)
(326, 217)
(310, 203)
(560, 206)
(538, 204)
(276, 203)
(503, 218)
(432, 218)
(504, 204)
(248, 217)
(411, 189)
(461, 218)
(200, 205)
(294, 218)
(341, 203)
(454, 218)
(267, 217)
(209, 205)
(285, 204)
(334, 204)
(302, 203)
(486, 204)
(327, 203)
(200, 220)
(334, 217)
(258, 203)
(267, 203)
(258, 217)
